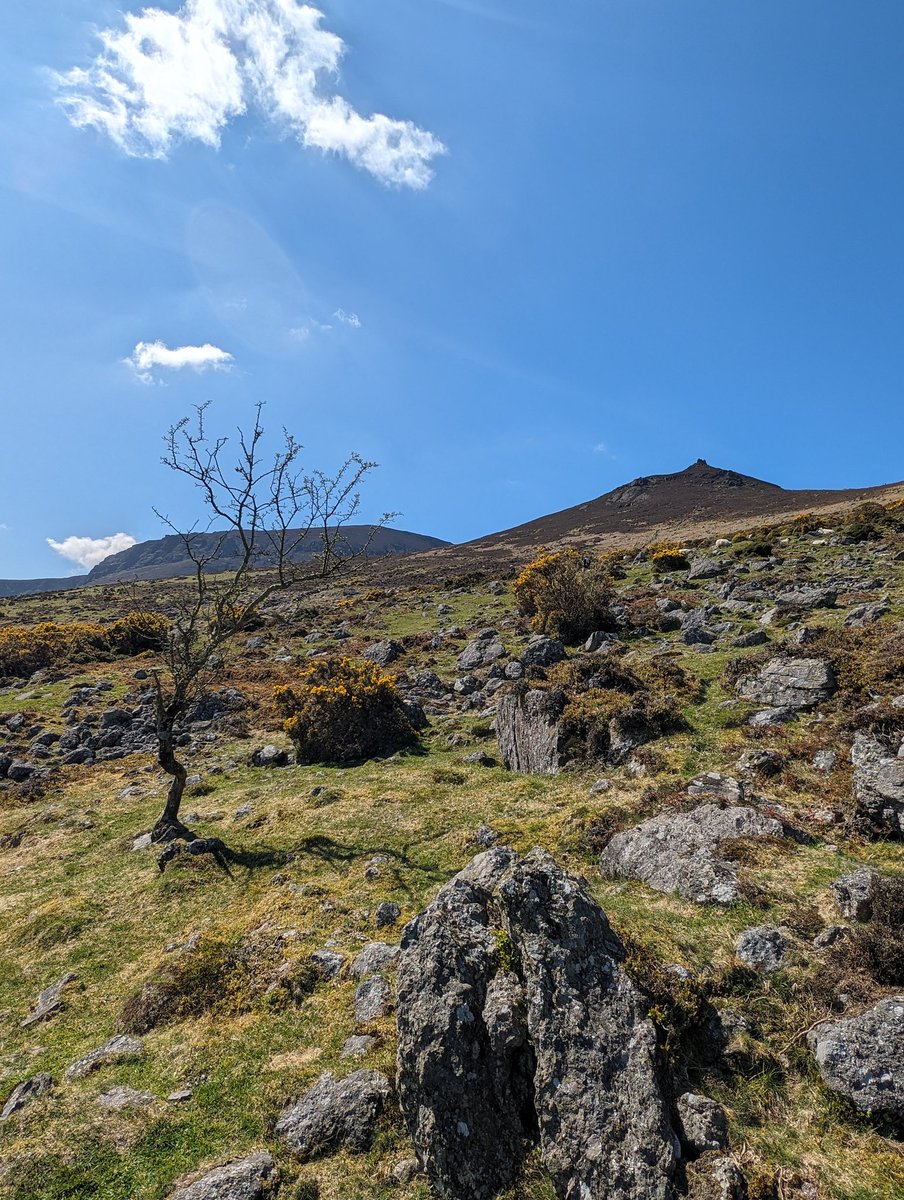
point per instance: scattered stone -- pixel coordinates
(180, 1097)
(706, 568)
(713, 786)
(831, 935)
(773, 716)
(384, 653)
(482, 651)
(118, 1098)
(878, 785)
(387, 914)
(598, 787)
(480, 758)
(25, 1092)
(328, 963)
(335, 1113)
(825, 760)
(486, 836)
(854, 894)
(760, 762)
(867, 614)
(756, 637)
(374, 959)
(680, 852)
(50, 1001)
(406, 1171)
(270, 756)
(701, 1123)
(251, 1178)
(862, 1057)
(117, 1049)
(795, 683)
(142, 842)
(542, 651)
(762, 948)
(716, 1177)
(599, 640)
(357, 1046)
(373, 999)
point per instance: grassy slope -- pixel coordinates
(74, 896)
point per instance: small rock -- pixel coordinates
(25, 1092)
(713, 786)
(270, 756)
(118, 1098)
(825, 760)
(862, 1057)
(387, 914)
(701, 1123)
(327, 962)
(599, 786)
(486, 836)
(117, 1049)
(383, 653)
(762, 948)
(373, 959)
(335, 1113)
(50, 1000)
(357, 1046)
(406, 1171)
(373, 999)
(251, 1178)
(854, 894)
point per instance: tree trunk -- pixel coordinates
(169, 826)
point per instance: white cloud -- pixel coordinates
(170, 77)
(148, 355)
(348, 318)
(88, 552)
(602, 448)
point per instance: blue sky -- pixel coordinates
(657, 231)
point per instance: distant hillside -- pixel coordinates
(165, 558)
(701, 501)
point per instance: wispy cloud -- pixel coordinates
(148, 356)
(603, 449)
(348, 318)
(88, 552)
(179, 76)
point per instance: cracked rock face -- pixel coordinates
(878, 785)
(680, 852)
(530, 738)
(518, 1025)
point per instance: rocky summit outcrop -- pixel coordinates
(862, 1057)
(680, 852)
(529, 733)
(517, 1024)
(790, 683)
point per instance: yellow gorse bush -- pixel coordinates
(666, 556)
(25, 649)
(566, 593)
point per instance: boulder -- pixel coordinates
(374, 959)
(528, 1032)
(706, 568)
(762, 948)
(251, 1178)
(862, 1057)
(270, 756)
(854, 894)
(25, 1092)
(482, 651)
(713, 786)
(328, 963)
(335, 1112)
(51, 1000)
(680, 852)
(528, 732)
(794, 683)
(373, 999)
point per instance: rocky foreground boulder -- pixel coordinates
(517, 1024)
(528, 731)
(862, 1057)
(251, 1178)
(680, 852)
(878, 785)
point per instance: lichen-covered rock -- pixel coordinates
(862, 1057)
(680, 852)
(542, 651)
(762, 948)
(51, 1000)
(251, 1178)
(373, 999)
(702, 1125)
(790, 683)
(878, 785)
(383, 653)
(528, 731)
(715, 1176)
(25, 1092)
(373, 959)
(598, 1083)
(854, 894)
(482, 651)
(335, 1112)
(528, 1032)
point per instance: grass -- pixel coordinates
(74, 896)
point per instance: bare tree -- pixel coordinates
(274, 515)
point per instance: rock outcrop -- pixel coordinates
(790, 683)
(528, 731)
(518, 1024)
(680, 852)
(878, 785)
(251, 1178)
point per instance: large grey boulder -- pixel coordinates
(862, 1057)
(528, 732)
(790, 683)
(335, 1112)
(542, 651)
(878, 785)
(680, 852)
(383, 653)
(251, 1178)
(524, 1031)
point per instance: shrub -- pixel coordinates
(25, 649)
(341, 711)
(563, 597)
(667, 556)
